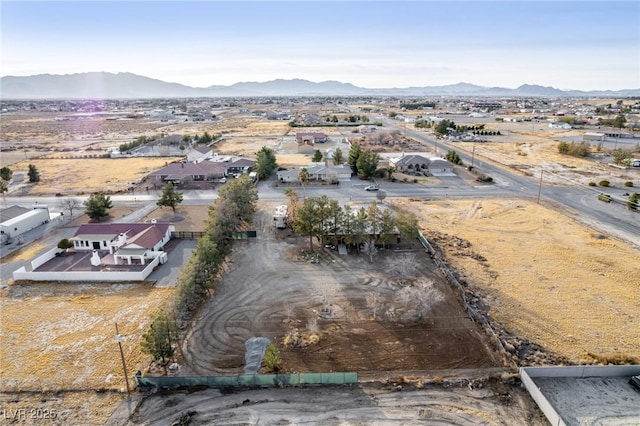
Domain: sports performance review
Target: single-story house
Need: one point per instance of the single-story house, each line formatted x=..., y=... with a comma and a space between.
x=418, y=163
x=306, y=140
x=240, y=166
x=317, y=172
x=184, y=172
x=410, y=163
x=125, y=241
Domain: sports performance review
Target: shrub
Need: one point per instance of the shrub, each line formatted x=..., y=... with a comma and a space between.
x=634, y=200
x=272, y=358
x=592, y=183
x=628, y=184
x=604, y=197
x=604, y=183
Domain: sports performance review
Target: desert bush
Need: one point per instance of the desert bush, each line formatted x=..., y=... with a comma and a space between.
x=604, y=183
x=592, y=183
x=271, y=358
x=604, y=197
x=628, y=184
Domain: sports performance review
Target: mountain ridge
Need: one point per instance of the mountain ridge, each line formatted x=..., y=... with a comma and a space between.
x=105, y=85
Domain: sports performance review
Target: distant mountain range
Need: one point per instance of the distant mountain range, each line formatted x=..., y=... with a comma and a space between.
x=104, y=85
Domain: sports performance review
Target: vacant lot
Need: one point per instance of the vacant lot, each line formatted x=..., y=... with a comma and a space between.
x=544, y=277
x=84, y=176
x=73, y=345
x=271, y=290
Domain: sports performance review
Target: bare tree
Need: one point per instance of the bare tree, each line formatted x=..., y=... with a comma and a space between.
x=420, y=297
x=403, y=265
x=381, y=195
x=370, y=250
x=374, y=301
x=69, y=204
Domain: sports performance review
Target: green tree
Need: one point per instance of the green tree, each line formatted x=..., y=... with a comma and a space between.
x=34, y=174
x=338, y=157
x=367, y=164
x=306, y=222
x=303, y=176
x=159, y=340
x=390, y=171
x=619, y=121
x=271, y=358
x=360, y=226
x=65, y=244
x=6, y=174
x=633, y=201
x=453, y=157
x=407, y=224
x=3, y=187
x=97, y=206
x=170, y=197
x=317, y=156
x=354, y=154
x=442, y=127
x=265, y=162
x=621, y=157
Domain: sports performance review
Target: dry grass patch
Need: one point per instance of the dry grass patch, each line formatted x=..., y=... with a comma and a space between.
x=546, y=277
x=61, y=335
x=72, y=176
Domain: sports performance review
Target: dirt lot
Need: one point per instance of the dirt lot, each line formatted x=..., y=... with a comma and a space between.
x=544, y=277
x=452, y=403
x=271, y=289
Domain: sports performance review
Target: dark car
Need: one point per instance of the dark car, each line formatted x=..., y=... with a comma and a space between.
x=635, y=382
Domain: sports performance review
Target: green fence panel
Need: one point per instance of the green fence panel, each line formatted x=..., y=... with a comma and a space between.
x=251, y=380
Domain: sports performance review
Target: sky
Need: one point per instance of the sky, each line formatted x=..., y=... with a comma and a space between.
x=582, y=45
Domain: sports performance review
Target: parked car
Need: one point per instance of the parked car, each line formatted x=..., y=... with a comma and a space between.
x=371, y=188
x=635, y=382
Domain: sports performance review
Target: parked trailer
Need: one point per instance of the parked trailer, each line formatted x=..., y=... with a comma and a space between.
x=280, y=217
x=25, y=222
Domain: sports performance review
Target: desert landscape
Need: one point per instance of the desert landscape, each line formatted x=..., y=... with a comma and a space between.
x=511, y=254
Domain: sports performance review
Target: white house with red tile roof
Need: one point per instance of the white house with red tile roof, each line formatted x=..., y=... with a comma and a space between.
x=125, y=241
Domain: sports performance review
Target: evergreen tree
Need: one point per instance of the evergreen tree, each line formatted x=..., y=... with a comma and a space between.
x=265, y=162
x=170, y=197
x=354, y=154
x=34, y=174
x=97, y=206
x=337, y=157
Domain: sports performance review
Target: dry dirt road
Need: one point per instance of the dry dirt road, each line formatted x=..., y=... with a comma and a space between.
x=458, y=404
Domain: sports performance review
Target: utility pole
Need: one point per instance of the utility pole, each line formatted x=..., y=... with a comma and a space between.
x=473, y=153
x=540, y=186
x=124, y=364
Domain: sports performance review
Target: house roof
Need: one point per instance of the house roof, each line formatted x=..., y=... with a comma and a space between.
x=141, y=234
x=146, y=238
x=242, y=162
x=411, y=159
x=204, y=149
x=177, y=170
x=12, y=212
x=315, y=135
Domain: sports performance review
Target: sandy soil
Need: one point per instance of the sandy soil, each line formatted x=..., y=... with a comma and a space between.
x=273, y=289
x=545, y=277
x=84, y=176
x=75, y=348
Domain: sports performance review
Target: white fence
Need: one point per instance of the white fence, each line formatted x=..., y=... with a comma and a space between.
x=103, y=275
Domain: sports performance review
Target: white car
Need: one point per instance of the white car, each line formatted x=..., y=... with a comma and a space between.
x=371, y=188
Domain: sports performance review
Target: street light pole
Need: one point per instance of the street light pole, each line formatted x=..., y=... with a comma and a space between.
x=124, y=364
